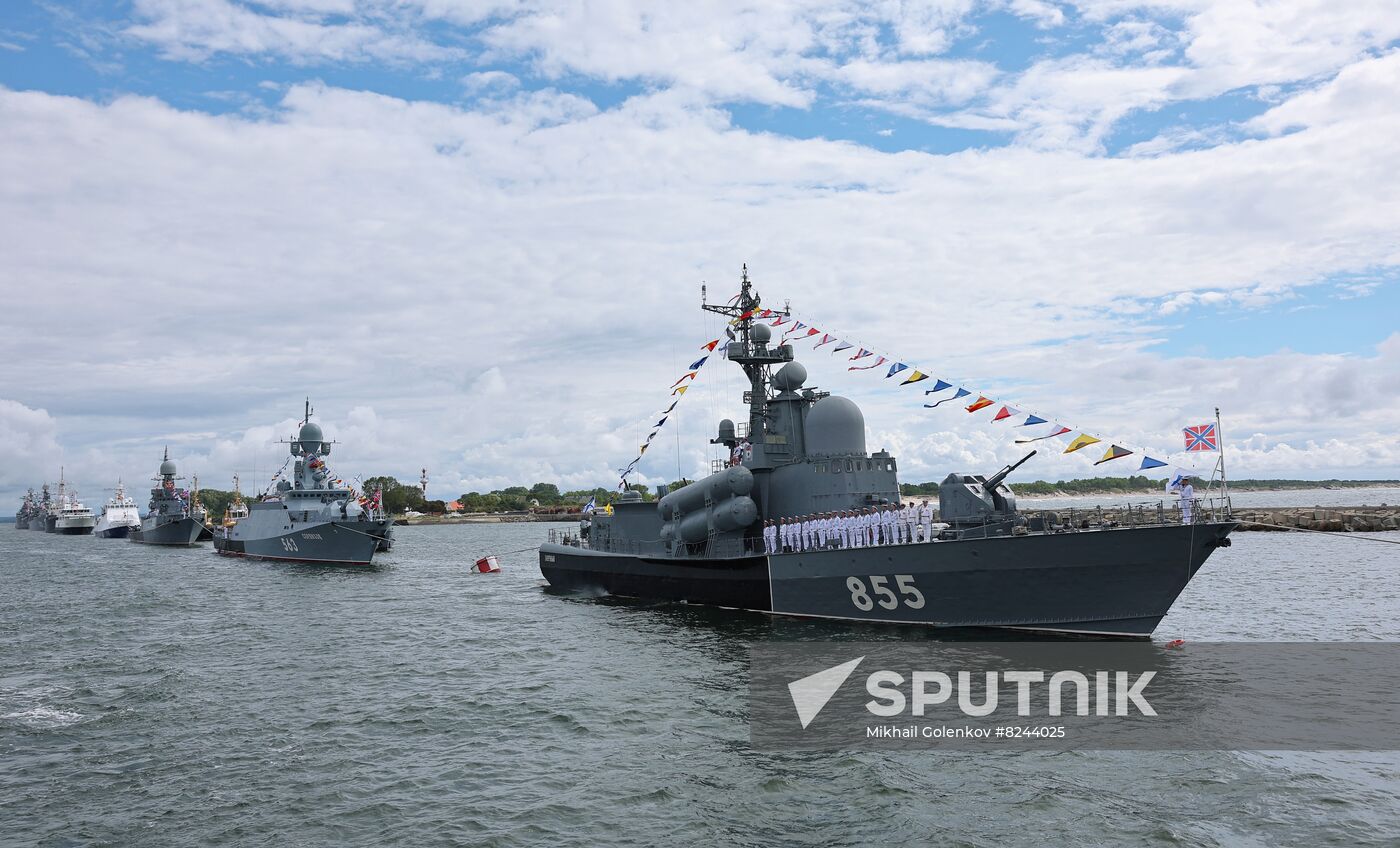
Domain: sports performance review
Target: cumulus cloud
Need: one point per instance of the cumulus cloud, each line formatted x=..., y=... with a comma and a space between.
x=29, y=450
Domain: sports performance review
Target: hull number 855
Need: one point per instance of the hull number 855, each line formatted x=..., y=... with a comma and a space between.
x=880, y=592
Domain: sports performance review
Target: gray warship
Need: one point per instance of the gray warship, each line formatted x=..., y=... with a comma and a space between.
x=168, y=520
x=310, y=517
x=28, y=509
x=40, y=519
x=986, y=564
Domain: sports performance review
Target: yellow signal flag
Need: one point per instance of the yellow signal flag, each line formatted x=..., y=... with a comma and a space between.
x=1083, y=440
x=915, y=377
x=1114, y=452
x=981, y=403
x=680, y=391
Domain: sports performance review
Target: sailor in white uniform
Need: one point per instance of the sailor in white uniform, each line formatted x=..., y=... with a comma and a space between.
x=1187, y=493
x=909, y=517
x=926, y=519
x=770, y=537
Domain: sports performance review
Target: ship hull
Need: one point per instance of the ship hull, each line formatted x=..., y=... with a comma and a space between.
x=333, y=543
x=181, y=533
x=50, y=523
x=21, y=524
x=74, y=528
x=119, y=531
x=1110, y=583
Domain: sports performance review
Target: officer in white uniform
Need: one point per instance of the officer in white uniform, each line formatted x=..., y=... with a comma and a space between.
x=926, y=519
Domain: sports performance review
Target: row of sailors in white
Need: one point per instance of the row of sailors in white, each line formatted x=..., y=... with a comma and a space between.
x=851, y=528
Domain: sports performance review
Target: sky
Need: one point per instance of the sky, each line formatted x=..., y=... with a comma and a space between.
x=474, y=232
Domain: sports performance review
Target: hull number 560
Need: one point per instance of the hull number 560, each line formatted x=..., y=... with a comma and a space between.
x=885, y=596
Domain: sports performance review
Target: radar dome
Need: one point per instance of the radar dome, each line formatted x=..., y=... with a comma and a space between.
x=310, y=432
x=168, y=467
x=790, y=377
x=760, y=334
x=835, y=426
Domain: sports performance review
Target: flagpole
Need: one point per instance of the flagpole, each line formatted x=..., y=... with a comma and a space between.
x=1219, y=434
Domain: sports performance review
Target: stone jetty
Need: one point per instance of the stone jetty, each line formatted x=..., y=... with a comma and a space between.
x=1337, y=519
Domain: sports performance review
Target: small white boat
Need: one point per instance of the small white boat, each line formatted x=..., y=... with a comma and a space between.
x=118, y=517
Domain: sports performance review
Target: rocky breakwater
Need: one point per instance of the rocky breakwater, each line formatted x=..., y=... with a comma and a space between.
x=1341, y=519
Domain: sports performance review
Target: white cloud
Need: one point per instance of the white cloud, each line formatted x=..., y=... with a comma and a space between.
x=1356, y=94
x=29, y=449
x=194, y=30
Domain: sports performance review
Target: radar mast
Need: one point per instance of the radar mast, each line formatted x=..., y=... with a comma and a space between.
x=754, y=358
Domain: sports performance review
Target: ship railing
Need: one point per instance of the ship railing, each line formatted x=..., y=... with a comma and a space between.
x=1161, y=514
x=709, y=549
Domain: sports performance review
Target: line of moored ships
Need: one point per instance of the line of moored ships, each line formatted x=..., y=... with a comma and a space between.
x=307, y=516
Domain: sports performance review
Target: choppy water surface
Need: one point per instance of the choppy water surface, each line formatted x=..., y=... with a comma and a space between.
x=172, y=697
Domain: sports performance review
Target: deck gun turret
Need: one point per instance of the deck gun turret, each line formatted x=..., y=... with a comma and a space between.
x=976, y=505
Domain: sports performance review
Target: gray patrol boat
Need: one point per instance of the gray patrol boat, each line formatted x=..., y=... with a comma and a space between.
x=310, y=517
x=168, y=520
x=985, y=564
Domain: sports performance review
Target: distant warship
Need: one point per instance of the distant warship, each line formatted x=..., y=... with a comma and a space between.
x=310, y=517
x=168, y=520
x=984, y=565
x=119, y=516
x=40, y=519
x=27, y=511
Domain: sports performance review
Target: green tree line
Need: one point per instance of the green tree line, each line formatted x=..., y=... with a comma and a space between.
x=402, y=497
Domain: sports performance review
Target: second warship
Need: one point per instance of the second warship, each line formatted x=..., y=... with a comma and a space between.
x=803, y=458
x=310, y=517
x=167, y=520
